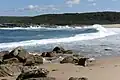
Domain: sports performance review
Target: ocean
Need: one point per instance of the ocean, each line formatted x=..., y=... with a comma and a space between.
x=94, y=40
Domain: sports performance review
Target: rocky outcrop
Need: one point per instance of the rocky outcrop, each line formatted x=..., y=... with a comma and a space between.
x=37, y=73
x=76, y=78
x=10, y=61
x=68, y=52
x=2, y=53
x=62, y=50
x=69, y=59
x=49, y=54
x=42, y=78
x=19, y=53
x=33, y=60
x=59, y=49
x=9, y=70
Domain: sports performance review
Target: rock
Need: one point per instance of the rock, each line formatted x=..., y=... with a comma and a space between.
x=33, y=60
x=7, y=56
x=41, y=78
x=33, y=74
x=68, y=52
x=59, y=49
x=108, y=49
x=19, y=53
x=10, y=61
x=44, y=54
x=51, y=54
x=75, y=78
x=83, y=61
x=69, y=59
x=2, y=53
x=9, y=70
x=78, y=55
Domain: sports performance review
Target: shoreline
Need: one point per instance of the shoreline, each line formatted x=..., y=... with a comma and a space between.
x=99, y=69
x=54, y=26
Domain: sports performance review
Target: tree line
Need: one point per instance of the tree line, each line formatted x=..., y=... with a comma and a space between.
x=65, y=19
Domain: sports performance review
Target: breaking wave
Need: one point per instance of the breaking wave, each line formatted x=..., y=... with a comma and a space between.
x=102, y=32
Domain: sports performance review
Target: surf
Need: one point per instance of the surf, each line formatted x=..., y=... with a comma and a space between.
x=102, y=32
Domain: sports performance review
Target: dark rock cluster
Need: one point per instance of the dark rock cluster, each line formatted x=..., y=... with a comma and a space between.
x=20, y=63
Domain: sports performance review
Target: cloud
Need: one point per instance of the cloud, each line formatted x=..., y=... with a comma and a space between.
x=91, y=0
x=35, y=8
x=72, y=2
x=40, y=8
x=114, y=0
x=94, y=4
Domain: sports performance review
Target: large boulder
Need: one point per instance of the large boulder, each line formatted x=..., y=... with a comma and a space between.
x=76, y=78
x=33, y=60
x=41, y=78
x=69, y=59
x=19, y=53
x=33, y=74
x=59, y=49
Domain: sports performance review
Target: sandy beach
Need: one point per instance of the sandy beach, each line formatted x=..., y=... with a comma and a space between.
x=111, y=25
x=102, y=69
x=105, y=68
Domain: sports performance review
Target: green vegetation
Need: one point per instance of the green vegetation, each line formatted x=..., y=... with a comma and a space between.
x=66, y=19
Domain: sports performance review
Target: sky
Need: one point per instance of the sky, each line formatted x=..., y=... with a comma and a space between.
x=39, y=7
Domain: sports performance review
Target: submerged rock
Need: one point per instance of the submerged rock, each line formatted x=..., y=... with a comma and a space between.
x=33, y=74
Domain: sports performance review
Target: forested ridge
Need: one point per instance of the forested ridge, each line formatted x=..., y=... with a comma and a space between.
x=65, y=19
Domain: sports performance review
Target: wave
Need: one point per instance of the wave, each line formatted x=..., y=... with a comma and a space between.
x=37, y=27
x=50, y=28
x=102, y=32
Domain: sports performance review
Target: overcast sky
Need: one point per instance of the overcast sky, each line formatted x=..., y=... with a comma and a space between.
x=37, y=7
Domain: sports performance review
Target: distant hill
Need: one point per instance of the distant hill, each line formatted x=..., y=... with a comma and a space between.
x=66, y=19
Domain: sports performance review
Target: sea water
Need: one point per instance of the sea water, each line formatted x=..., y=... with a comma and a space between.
x=89, y=40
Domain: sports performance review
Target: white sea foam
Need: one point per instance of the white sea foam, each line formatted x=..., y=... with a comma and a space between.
x=102, y=32
x=37, y=27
